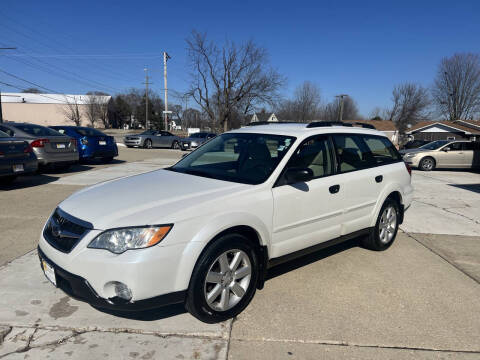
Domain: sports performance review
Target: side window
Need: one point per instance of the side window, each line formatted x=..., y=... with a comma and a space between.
x=468, y=146
x=7, y=130
x=455, y=146
x=352, y=153
x=61, y=131
x=316, y=154
x=166, y=133
x=382, y=150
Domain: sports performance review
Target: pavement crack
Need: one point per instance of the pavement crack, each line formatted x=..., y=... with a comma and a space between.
x=4, y=332
x=448, y=210
x=230, y=336
x=442, y=257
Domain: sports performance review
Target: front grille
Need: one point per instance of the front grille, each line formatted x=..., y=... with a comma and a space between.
x=63, y=233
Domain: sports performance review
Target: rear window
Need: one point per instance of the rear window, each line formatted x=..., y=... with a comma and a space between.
x=3, y=135
x=382, y=150
x=89, y=132
x=37, y=130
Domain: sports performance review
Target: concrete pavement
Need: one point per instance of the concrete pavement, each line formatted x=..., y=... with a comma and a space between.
x=418, y=300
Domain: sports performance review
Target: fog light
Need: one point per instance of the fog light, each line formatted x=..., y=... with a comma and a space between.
x=122, y=291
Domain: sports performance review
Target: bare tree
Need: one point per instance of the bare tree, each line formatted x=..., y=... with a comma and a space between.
x=411, y=104
x=304, y=106
x=331, y=111
x=229, y=78
x=71, y=110
x=456, y=89
x=91, y=110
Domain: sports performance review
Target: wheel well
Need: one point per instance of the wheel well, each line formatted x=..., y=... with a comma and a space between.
x=262, y=251
x=428, y=157
x=397, y=197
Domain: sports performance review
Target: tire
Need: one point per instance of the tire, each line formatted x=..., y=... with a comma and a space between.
x=378, y=240
x=175, y=145
x=427, y=164
x=129, y=146
x=229, y=295
x=147, y=144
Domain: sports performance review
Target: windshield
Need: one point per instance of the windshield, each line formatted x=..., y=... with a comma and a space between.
x=37, y=130
x=434, y=145
x=148, y=132
x=238, y=157
x=198, y=135
x=2, y=134
x=89, y=132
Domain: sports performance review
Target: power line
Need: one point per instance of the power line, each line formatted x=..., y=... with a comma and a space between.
x=23, y=89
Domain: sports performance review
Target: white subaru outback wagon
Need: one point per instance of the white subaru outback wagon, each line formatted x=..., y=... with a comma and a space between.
x=204, y=231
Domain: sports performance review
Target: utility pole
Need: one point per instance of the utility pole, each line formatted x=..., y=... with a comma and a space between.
x=165, y=59
x=146, y=98
x=1, y=112
x=340, y=112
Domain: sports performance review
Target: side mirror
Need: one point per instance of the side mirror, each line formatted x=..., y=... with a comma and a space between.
x=446, y=149
x=295, y=175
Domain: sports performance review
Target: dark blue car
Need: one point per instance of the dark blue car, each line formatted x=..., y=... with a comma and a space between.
x=91, y=142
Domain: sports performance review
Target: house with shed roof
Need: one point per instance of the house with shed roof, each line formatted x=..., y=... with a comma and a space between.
x=47, y=109
x=445, y=130
x=386, y=126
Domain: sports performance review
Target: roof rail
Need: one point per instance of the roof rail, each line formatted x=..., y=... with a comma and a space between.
x=327, y=123
x=255, y=123
x=367, y=126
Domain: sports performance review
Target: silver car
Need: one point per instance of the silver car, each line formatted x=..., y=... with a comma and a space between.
x=152, y=138
x=444, y=154
x=195, y=140
x=50, y=147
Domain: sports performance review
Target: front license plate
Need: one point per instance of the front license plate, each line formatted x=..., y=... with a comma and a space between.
x=102, y=143
x=60, y=146
x=49, y=272
x=18, y=168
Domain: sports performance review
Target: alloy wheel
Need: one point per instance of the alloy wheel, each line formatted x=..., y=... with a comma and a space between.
x=388, y=224
x=227, y=280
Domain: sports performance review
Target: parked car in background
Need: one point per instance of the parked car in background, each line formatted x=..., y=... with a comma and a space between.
x=151, y=138
x=444, y=154
x=195, y=140
x=414, y=144
x=16, y=158
x=91, y=143
x=50, y=147
x=204, y=231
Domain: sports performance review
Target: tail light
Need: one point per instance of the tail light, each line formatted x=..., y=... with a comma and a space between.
x=39, y=143
x=28, y=149
x=409, y=169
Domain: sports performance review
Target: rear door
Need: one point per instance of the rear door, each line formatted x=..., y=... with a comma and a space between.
x=166, y=138
x=308, y=213
x=468, y=154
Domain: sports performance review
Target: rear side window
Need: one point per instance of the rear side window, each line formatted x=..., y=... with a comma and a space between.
x=3, y=135
x=382, y=150
x=455, y=146
x=352, y=153
x=315, y=154
x=36, y=130
x=8, y=131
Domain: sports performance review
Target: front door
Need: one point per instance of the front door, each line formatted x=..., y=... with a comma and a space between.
x=453, y=157
x=308, y=213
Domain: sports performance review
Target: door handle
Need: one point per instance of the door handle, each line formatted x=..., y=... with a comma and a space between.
x=379, y=178
x=334, y=189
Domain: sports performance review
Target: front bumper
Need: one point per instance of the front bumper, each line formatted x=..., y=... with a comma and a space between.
x=79, y=288
x=412, y=161
x=133, y=142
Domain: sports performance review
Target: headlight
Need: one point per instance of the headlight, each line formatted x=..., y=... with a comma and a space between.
x=409, y=155
x=121, y=240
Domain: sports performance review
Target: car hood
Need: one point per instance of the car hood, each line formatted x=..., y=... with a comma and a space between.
x=414, y=151
x=160, y=196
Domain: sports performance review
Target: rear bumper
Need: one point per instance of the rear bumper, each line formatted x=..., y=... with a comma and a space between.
x=99, y=152
x=29, y=165
x=79, y=288
x=45, y=158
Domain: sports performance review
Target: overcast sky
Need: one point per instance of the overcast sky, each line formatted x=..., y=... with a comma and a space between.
x=362, y=48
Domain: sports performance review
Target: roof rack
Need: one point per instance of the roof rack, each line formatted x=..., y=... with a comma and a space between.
x=338, y=123
x=327, y=123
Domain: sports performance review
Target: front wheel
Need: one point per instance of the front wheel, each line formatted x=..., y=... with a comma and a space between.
x=386, y=227
x=148, y=144
x=427, y=164
x=224, y=279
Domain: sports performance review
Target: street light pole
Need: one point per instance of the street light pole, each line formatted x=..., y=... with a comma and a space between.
x=165, y=59
x=340, y=113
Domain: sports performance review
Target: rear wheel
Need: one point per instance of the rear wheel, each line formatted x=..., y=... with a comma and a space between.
x=427, y=164
x=224, y=279
x=147, y=144
x=386, y=227
x=175, y=145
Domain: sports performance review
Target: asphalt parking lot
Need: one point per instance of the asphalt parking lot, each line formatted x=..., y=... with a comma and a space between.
x=418, y=300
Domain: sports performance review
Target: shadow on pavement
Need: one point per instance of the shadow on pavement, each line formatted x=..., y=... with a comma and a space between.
x=148, y=315
x=469, y=187
x=26, y=181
